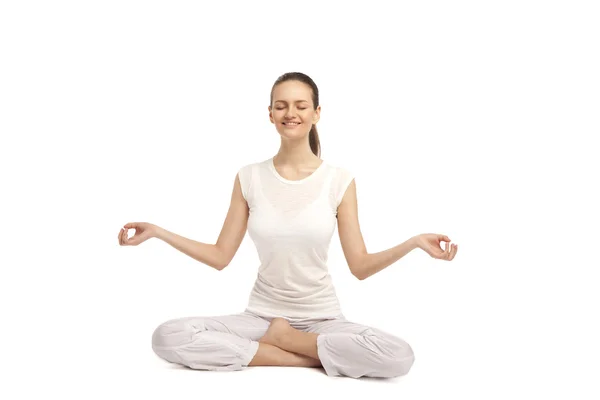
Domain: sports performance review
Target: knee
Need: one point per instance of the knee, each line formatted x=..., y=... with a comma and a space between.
x=395, y=356
x=400, y=359
x=173, y=333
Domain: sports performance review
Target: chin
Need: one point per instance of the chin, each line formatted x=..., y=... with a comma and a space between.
x=295, y=136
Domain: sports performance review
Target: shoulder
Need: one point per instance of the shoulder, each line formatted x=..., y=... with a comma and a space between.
x=342, y=175
x=341, y=180
x=246, y=174
x=247, y=168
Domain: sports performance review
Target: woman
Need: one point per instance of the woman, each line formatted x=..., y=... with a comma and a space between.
x=289, y=204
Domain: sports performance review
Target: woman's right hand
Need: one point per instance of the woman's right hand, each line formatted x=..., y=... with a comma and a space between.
x=143, y=232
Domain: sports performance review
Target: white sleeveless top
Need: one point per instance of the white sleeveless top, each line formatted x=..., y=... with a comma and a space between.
x=291, y=224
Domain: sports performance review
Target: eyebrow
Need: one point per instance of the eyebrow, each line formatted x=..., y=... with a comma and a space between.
x=297, y=101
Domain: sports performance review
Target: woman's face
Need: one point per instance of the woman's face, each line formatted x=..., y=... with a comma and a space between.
x=292, y=109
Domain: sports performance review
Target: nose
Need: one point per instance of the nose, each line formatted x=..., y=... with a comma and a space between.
x=289, y=113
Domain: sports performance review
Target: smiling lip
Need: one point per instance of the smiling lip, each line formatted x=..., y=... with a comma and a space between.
x=291, y=125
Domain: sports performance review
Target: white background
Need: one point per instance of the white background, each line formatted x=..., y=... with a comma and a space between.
x=467, y=118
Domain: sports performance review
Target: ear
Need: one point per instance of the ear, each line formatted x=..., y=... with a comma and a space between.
x=317, y=115
x=271, y=115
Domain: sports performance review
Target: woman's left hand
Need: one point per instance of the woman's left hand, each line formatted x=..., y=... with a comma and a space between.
x=430, y=244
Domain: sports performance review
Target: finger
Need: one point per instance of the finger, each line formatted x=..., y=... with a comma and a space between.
x=451, y=255
x=441, y=253
x=454, y=252
x=448, y=251
x=434, y=252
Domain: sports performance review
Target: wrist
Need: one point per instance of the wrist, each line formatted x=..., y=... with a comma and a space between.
x=157, y=232
x=415, y=242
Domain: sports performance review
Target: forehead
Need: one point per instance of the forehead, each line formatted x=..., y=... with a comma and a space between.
x=292, y=91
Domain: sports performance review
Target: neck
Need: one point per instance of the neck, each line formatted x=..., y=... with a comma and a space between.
x=296, y=156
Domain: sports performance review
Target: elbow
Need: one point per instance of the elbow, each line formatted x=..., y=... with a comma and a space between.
x=221, y=266
x=358, y=274
x=360, y=267
x=221, y=261
x=359, y=270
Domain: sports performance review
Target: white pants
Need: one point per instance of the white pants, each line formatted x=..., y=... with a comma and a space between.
x=230, y=342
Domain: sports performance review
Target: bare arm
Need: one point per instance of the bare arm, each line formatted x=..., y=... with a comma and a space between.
x=361, y=263
x=217, y=255
x=205, y=253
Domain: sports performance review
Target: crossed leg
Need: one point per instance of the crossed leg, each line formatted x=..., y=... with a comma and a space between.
x=231, y=342
x=343, y=347
x=228, y=342
x=281, y=334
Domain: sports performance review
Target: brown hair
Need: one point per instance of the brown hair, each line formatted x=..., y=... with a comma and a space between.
x=313, y=136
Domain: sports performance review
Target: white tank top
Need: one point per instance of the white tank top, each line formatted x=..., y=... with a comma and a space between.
x=291, y=224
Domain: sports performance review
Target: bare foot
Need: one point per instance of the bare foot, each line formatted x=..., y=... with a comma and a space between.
x=268, y=354
x=276, y=332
